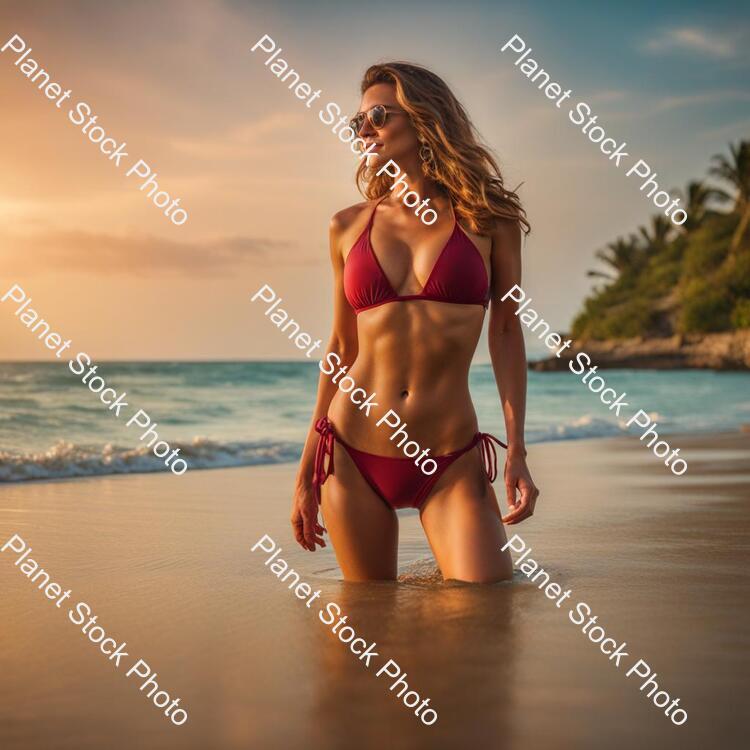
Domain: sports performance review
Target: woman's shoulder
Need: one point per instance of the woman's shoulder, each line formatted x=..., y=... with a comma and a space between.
x=506, y=233
x=351, y=216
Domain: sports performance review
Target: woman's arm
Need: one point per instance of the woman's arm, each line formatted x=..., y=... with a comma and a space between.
x=343, y=341
x=508, y=356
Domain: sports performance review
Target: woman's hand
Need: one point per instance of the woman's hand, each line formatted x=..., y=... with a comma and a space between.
x=307, y=531
x=517, y=477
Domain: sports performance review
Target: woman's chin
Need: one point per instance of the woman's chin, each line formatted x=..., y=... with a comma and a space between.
x=378, y=156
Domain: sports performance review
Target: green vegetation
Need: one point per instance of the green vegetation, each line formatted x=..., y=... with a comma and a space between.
x=692, y=279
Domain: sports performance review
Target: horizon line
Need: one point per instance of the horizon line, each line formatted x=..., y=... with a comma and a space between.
x=178, y=361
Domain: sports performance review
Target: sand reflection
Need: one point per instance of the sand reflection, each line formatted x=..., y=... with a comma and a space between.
x=456, y=644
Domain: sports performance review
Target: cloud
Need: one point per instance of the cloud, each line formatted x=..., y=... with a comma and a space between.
x=696, y=40
x=273, y=132
x=730, y=131
x=139, y=255
x=702, y=98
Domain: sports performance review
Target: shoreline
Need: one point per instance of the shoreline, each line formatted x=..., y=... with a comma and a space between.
x=727, y=351
x=167, y=564
x=626, y=439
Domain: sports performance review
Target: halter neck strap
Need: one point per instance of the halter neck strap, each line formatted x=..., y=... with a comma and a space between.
x=378, y=202
x=374, y=208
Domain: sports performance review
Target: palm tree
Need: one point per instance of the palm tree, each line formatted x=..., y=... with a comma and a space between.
x=698, y=196
x=735, y=171
x=656, y=236
x=621, y=255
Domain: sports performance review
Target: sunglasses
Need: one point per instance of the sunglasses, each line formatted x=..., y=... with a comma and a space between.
x=377, y=116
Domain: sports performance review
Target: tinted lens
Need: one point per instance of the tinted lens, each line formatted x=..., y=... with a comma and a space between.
x=356, y=122
x=377, y=116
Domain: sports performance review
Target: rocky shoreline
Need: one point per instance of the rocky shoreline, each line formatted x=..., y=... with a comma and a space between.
x=714, y=351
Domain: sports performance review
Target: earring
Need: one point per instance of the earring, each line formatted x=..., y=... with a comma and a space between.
x=427, y=157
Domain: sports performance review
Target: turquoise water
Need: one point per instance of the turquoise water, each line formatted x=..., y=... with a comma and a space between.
x=242, y=413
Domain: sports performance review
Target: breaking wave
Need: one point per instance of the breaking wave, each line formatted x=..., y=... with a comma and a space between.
x=66, y=459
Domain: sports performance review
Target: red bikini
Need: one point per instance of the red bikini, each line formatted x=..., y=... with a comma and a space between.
x=397, y=481
x=458, y=277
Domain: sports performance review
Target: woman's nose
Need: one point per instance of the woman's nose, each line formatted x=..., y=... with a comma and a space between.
x=366, y=129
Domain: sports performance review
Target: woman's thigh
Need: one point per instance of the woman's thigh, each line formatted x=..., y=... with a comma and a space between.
x=361, y=527
x=461, y=518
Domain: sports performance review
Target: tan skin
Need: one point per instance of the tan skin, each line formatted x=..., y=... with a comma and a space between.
x=415, y=355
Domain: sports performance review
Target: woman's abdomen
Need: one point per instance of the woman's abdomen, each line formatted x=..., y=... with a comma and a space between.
x=413, y=363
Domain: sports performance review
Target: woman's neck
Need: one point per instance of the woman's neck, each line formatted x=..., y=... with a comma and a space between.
x=423, y=186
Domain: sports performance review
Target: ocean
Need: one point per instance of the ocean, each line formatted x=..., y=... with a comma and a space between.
x=246, y=413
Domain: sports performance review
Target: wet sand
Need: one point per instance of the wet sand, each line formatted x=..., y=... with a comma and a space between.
x=166, y=565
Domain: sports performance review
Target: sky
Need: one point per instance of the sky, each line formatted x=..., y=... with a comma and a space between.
x=260, y=175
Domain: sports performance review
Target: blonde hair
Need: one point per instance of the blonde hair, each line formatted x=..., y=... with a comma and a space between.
x=461, y=165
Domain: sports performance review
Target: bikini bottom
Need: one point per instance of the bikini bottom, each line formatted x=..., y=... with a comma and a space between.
x=398, y=482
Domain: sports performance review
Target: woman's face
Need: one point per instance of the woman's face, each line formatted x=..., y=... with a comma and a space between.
x=397, y=139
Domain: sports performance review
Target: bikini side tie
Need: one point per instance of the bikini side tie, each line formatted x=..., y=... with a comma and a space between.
x=489, y=454
x=324, y=448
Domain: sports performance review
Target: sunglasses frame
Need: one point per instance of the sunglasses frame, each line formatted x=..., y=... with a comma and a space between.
x=358, y=120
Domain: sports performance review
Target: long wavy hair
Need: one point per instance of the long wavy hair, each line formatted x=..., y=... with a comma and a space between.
x=461, y=165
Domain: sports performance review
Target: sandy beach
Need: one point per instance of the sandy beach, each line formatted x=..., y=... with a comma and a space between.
x=166, y=565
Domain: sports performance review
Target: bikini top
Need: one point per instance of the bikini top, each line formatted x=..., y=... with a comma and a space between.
x=458, y=276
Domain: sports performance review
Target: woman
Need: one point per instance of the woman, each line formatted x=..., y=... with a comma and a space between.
x=409, y=302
